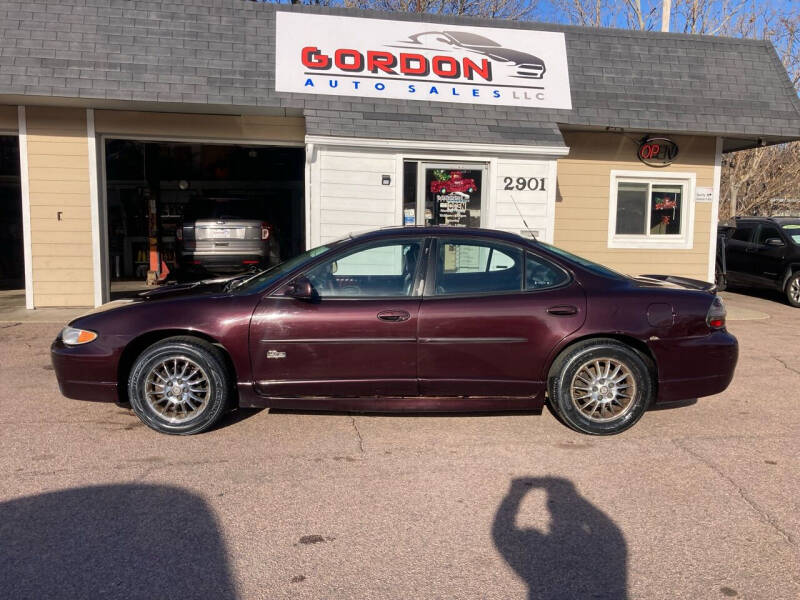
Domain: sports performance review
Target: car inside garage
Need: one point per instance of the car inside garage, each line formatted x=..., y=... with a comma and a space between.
x=180, y=211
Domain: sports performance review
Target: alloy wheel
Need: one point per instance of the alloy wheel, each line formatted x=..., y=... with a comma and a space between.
x=603, y=389
x=177, y=389
x=794, y=290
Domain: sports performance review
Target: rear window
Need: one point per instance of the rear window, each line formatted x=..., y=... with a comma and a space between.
x=594, y=267
x=222, y=208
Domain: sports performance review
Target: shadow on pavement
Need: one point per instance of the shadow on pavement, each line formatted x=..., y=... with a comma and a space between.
x=762, y=293
x=583, y=556
x=673, y=404
x=113, y=541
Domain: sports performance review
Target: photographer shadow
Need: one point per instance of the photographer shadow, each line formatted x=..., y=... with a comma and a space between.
x=583, y=555
x=113, y=541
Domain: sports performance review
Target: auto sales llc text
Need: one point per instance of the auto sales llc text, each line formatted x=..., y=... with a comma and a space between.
x=418, y=89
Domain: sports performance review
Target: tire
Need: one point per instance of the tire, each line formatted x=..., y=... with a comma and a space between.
x=793, y=289
x=205, y=385
x=606, y=410
x=721, y=280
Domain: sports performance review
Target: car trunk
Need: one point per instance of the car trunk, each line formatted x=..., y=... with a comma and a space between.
x=234, y=235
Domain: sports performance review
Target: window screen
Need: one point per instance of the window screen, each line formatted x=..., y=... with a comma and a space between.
x=631, y=208
x=649, y=209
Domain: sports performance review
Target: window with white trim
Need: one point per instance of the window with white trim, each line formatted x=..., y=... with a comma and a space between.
x=651, y=212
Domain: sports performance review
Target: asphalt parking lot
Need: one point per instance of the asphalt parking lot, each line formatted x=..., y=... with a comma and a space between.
x=696, y=501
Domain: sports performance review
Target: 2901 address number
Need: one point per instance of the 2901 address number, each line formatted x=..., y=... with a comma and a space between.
x=533, y=184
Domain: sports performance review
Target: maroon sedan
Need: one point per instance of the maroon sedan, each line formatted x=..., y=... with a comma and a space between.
x=407, y=319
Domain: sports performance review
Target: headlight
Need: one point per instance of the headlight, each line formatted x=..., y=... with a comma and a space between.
x=74, y=337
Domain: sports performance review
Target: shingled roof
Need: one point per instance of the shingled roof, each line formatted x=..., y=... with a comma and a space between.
x=218, y=56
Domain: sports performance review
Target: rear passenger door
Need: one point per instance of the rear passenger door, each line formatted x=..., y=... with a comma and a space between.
x=491, y=314
x=738, y=253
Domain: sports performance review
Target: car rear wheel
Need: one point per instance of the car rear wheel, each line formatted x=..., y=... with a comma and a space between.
x=600, y=387
x=180, y=385
x=793, y=290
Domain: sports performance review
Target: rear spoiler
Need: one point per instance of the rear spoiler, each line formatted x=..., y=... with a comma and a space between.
x=692, y=284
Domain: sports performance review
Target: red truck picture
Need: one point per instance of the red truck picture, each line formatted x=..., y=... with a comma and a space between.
x=454, y=182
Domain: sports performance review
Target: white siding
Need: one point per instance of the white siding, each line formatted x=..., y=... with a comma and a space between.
x=349, y=196
x=537, y=207
x=346, y=195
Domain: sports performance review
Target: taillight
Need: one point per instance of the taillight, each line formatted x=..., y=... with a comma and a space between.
x=179, y=233
x=716, y=314
x=264, y=231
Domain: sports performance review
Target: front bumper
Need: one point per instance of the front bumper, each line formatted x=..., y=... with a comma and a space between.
x=84, y=372
x=694, y=367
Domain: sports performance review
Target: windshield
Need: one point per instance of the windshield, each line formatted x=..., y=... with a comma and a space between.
x=793, y=231
x=595, y=268
x=263, y=279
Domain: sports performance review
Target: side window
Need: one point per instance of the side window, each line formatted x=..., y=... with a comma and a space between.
x=743, y=234
x=378, y=269
x=541, y=274
x=475, y=267
x=766, y=232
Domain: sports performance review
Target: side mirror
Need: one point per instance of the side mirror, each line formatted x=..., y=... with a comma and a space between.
x=775, y=242
x=300, y=289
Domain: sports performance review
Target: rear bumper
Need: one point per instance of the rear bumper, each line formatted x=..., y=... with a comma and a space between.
x=226, y=260
x=695, y=367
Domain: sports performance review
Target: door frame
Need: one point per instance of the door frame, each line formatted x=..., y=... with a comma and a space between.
x=423, y=165
x=488, y=162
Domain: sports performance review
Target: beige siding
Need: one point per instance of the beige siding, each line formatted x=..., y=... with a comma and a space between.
x=582, y=207
x=58, y=173
x=8, y=119
x=288, y=130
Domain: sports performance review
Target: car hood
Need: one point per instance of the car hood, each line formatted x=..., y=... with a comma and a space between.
x=167, y=292
x=184, y=289
x=674, y=282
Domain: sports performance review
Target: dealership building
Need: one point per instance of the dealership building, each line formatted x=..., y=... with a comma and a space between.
x=118, y=117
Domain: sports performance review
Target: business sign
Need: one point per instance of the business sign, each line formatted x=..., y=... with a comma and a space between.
x=377, y=58
x=657, y=152
x=703, y=194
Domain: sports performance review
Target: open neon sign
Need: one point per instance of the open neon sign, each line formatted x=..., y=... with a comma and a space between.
x=657, y=152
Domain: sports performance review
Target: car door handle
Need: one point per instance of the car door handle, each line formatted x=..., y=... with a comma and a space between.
x=394, y=315
x=563, y=310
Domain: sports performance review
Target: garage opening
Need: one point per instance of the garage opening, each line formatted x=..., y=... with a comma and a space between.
x=187, y=211
x=12, y=266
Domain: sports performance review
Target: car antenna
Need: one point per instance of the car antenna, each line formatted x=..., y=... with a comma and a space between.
x=528, y=229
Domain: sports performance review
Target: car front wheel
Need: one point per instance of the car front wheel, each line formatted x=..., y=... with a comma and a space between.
x=793, y=290
x=179, y=385
x=600, y=387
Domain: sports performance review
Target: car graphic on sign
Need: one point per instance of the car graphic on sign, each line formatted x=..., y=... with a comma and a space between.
x=456, y=183
x=528, y=65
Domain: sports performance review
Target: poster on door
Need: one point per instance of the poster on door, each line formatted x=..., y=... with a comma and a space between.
x=454, y=197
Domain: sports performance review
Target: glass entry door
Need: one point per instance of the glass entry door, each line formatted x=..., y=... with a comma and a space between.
x=449, y=194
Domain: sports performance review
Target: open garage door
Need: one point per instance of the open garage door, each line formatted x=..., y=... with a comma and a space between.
x=12, y=265
x=185, y=211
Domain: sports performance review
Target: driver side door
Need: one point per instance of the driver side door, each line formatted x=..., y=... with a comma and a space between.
x=356, y=337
